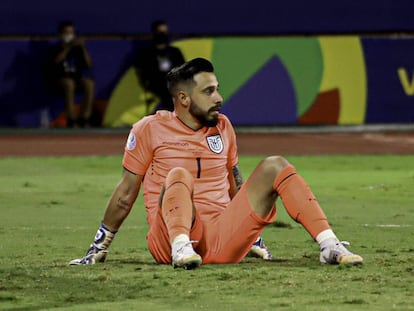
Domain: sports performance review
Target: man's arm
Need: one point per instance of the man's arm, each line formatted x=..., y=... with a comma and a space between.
x=117, y=210
x=62, y=53
x=122, y=200
x=236, y=180
x=86, y=56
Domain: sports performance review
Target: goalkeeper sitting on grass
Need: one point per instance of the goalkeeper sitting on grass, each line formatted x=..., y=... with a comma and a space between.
x=198, y=208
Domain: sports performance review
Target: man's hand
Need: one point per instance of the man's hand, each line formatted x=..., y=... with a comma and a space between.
x=79, y=42
x=260, y=250
x=93, y=255
x=98, y=249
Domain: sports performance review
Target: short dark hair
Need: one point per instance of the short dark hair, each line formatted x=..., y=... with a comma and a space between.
x=155, y=24
x=186, y=72
x=64, y=24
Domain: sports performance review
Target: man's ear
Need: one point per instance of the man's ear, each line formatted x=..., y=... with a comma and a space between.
x=183, y=98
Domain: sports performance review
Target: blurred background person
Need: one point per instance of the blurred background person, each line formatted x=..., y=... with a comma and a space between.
x=69, y=70
x=153, y=63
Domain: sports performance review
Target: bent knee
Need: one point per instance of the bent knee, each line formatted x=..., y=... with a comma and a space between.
x=87, y=83
x=68, y=84
x=179, y=174
x=274, y=164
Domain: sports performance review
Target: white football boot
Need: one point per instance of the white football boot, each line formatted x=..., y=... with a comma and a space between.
x=184, y=256
x=337, y=254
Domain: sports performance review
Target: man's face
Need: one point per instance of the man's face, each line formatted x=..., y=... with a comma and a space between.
x=160, y=35
x=67, y=34
x=162, y=28
x=205, y=99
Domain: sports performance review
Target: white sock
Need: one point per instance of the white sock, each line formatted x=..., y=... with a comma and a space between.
x=326, y=238
x=181, y=238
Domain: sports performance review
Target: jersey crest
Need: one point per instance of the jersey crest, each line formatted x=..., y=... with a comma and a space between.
x=215, y=143
x=131, y=142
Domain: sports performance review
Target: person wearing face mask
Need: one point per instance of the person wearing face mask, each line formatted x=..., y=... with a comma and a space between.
x=69, y=69
x=153, y=62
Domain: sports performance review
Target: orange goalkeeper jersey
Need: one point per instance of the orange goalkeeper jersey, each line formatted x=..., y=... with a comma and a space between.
x=160, y=142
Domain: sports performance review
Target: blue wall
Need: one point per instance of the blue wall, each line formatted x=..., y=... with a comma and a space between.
x=377, y=88
x=22, y=92
x=208, y=17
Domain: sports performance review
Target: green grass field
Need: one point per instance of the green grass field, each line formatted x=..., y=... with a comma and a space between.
x=50, y=209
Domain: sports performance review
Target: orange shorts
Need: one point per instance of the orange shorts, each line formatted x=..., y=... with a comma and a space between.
x=224, y=239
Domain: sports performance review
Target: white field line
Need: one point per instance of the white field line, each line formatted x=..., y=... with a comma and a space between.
x=47, y=228
x=386, y=225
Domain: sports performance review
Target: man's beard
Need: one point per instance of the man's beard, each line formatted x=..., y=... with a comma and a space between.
x=204, y=117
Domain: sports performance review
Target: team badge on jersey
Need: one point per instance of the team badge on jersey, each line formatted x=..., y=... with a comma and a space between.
x=131, y=142
x=215, y=143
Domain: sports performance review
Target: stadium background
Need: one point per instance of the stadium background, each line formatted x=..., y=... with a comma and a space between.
x=314, y=63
